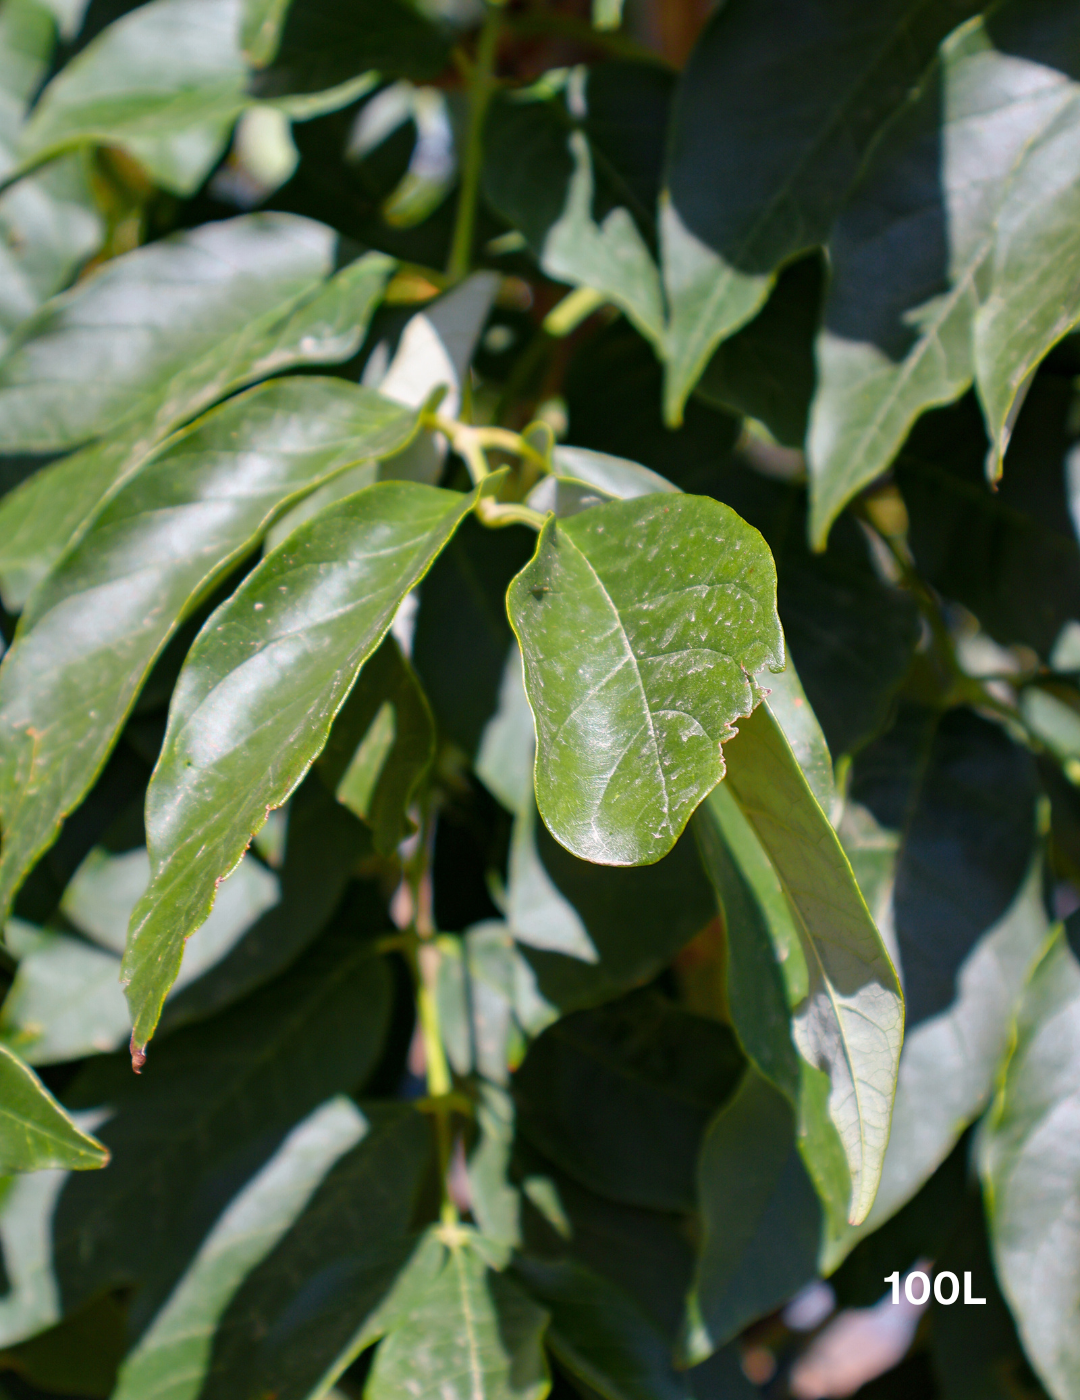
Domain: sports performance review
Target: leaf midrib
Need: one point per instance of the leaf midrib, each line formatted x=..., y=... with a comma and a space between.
x=632, y=658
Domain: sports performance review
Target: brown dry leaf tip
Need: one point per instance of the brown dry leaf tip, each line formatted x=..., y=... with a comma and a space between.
x=138, y=1055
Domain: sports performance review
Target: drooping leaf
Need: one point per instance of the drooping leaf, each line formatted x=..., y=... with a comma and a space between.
x=596, y=1094
x=762, y=1220
x=949, y=1062
x=381, y=745
x=95, y=628
x=635, y=697
x=259, y=323
x=35, y=1132
x=303, y=1313
x=218, y=1100
x=962, y=795
x=467, y=1333
x=915, y=255
x=1031, y=1170
x=849, y=1020
x=774, y=115
x=274, y=664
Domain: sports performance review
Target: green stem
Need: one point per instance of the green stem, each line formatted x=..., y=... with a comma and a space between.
x=481, y=88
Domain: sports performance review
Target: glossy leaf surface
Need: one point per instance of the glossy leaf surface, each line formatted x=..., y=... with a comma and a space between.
x=849, y=1020
x=270, y=325
x=95, y=628
x=279, y=657
x=635, y=679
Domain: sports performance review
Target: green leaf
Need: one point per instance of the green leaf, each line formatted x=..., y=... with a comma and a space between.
x=35, y=1132
x=164, y=82
x=381, y=746
x=646, y=1254
x=173, y=1354
x=1031, y=1170
x=791, y=709
x=949, y=1063
x=478, y=996
x=274, y=664
x=762, y=1221
x=155, y=550
x=325, y=323
x=976, y=1351
x=962, y=797
x=632, y=694
x=469, y=1334
x=597, y=1095
x=237, y=296
x=214, y=1107
x=49, y=221
x=849, y=1020
x=301, y=1315
x=934, y=209
x=774, y=116
x=27, y=38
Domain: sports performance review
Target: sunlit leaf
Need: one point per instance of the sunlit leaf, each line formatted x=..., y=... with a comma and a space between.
x=633, y=700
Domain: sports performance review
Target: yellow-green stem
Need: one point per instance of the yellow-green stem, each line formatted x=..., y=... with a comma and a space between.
x=481, y=87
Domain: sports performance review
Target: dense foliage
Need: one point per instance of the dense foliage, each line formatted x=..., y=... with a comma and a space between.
x=541, y=711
